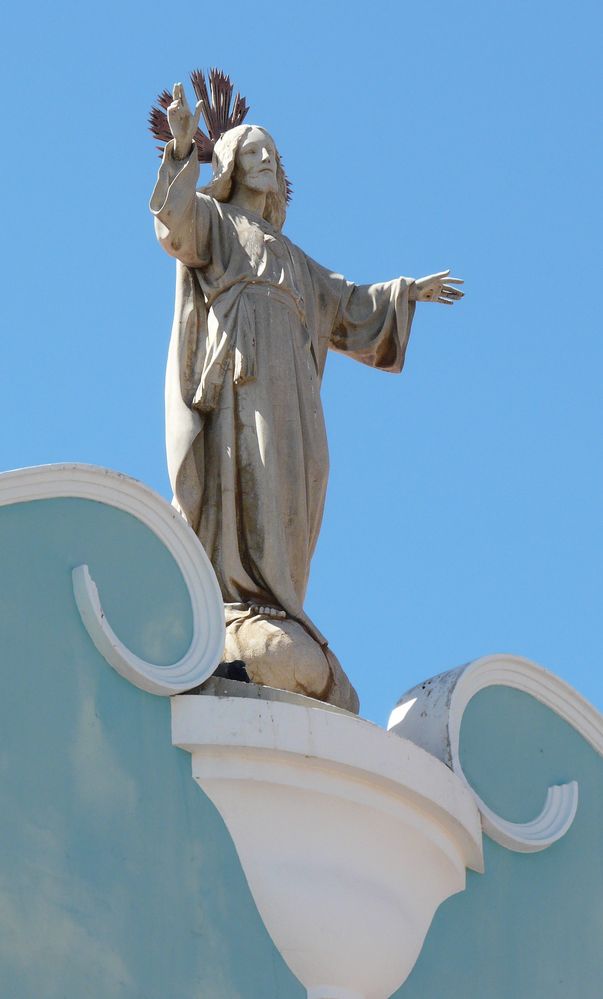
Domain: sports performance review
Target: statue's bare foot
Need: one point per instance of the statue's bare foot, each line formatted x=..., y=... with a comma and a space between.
x=267, y=611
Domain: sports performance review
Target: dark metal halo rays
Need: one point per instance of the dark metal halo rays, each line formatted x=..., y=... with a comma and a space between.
x=219, y=111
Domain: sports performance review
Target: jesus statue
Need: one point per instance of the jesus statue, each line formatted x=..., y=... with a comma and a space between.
x=247, y=448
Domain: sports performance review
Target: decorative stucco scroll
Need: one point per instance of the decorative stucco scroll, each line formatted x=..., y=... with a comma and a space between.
x=117, y=490
x=431, y=714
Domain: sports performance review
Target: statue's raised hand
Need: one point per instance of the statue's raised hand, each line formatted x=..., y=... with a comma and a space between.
x=182, y=121
x=436, y=288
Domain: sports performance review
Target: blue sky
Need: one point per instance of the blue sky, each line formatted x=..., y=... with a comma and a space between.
x=464, y=507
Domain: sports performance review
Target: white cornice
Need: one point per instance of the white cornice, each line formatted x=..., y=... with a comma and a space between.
x=118, y=490
x=349, y=837
x=540, y=683
x=431, y=715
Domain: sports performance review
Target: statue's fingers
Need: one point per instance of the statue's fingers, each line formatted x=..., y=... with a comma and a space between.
x=198, y=109
x=455, y=280
x=431, y=279
x=452, y=292
x=177, y=92
x=444, y=301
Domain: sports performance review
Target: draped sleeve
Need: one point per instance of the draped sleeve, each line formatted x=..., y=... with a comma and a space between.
x=373, y=323
x=182, y=214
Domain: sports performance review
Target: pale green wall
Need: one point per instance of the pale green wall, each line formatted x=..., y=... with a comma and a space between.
x=531, y=927
x=118, y=879
x=117, y=876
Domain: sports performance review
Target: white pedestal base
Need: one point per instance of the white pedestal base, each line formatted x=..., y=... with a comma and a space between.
x=350, y=838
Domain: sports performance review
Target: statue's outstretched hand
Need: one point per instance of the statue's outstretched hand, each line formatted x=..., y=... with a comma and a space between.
x=436, y=288
x=182, y=121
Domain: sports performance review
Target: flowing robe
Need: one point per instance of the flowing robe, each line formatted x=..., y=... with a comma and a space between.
x=246, y=442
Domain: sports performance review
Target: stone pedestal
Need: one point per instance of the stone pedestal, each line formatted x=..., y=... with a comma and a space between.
x=350, y=837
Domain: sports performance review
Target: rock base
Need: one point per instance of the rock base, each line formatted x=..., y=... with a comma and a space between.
x=281, y=653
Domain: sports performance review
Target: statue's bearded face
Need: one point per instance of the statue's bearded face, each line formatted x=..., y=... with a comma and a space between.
x=255, y=163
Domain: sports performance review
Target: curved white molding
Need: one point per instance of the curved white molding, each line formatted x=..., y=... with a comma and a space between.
x=555, y=819
x=431, y=715
x=115, y=489
x=349, y=838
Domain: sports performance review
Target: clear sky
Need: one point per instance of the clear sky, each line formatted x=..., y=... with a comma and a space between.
x=464, y=507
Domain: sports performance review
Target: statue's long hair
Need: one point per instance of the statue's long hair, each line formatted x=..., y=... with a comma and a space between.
x=223, y=164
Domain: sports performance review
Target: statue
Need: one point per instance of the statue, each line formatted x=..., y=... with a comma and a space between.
x=254, y=319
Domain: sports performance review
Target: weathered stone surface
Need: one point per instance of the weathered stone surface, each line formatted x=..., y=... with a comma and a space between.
x=247, y=448
x=342, y=693
x=281, y=653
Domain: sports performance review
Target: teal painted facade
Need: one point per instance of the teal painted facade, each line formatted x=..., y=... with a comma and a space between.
x=532, y=925
x=118, y=877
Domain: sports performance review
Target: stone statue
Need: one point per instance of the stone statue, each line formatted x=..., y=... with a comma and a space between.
x=247, y=449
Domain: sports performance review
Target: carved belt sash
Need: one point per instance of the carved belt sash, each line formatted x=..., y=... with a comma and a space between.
x=237, y=339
